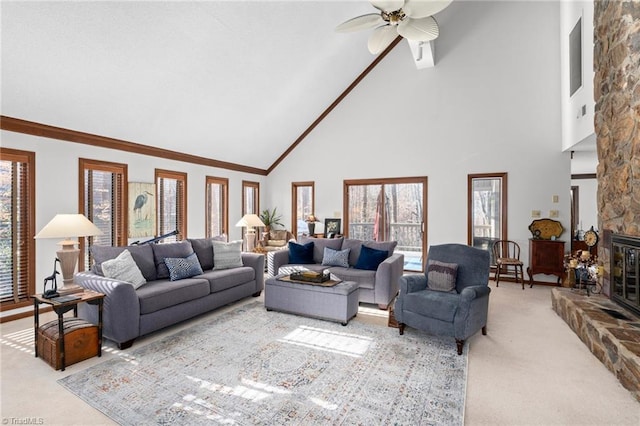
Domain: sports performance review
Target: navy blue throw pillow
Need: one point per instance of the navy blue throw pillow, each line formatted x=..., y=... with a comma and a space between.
x=301, y=254
x=370, y=258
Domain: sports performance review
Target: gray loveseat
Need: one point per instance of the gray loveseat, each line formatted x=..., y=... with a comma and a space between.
x=377, y=286
x=160, y=302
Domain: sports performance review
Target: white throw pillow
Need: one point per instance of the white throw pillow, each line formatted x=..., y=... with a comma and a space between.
x=123, y=268
x=227, y=255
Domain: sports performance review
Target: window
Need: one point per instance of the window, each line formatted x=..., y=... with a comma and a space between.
x=302, y=197
x=171, y=188
x=487, y=203
x=389, y=210
x=102, y=199
x=17, y=227
x=250, y=197
x=217, y=214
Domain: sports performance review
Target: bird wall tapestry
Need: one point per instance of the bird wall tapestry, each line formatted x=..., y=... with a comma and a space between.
x=142, y=209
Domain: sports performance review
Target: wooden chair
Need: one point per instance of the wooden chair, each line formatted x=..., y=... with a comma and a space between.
x=507, y=255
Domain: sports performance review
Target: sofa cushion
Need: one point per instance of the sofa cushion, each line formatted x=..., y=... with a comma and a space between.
x=276, y=243
x=143, y=256
x=183, y=267
x=370, y=258
x=227, y=278
x=161, y=294
x=364, y=278
x=319, y=244
x=124, y=268
x=336, y=257
x=163, y=250
x=227, y=255
x=301, y=254
x=204, y=250
x=441, y=276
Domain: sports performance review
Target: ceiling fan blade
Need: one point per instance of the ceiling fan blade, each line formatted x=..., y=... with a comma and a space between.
x=363, y=22
x=387, y=5
x=423, y=8
x=381, y=38
x=425, y=29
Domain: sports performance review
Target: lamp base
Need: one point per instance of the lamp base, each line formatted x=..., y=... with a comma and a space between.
x=251, y=240
x=68, y=258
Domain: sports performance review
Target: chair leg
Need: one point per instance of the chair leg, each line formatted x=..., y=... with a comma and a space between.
x=521, y=275
x=459, y=344
x=401, y=328
x=497, y=276
x=484, y=330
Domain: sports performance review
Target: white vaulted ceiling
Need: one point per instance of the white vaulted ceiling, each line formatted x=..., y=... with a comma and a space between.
x=235, y=81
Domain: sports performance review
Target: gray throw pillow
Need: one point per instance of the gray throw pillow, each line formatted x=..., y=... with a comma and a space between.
x=123, y=268
x=204, y=250
x=441, y=276
x=142, y=255
x=336, y=257
x=227, y=255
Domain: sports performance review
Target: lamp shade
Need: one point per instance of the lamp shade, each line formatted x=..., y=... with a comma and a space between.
x=249, y=221
x=69, y=226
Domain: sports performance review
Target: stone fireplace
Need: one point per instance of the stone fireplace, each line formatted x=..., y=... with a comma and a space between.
x=612, y=330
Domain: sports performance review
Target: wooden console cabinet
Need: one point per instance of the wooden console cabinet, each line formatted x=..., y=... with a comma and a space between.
x=545, y=257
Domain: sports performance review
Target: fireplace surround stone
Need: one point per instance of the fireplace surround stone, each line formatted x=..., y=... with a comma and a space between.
x=614, y=341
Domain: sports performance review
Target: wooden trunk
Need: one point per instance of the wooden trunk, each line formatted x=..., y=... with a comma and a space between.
x=80, y=342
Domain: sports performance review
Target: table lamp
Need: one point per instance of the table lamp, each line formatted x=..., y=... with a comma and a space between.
x=250, y=221
x=69, y=227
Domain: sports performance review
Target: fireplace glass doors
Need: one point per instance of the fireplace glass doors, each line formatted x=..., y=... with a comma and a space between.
x=624, y=272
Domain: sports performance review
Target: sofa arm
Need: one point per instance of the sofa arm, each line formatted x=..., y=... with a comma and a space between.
x=388, y=279
x=278, y=258
x=474, y=292
x=255, y=261
x=121, y=307
x=412, y=283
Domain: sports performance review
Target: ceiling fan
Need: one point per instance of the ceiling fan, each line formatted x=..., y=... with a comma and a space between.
x=412, y=19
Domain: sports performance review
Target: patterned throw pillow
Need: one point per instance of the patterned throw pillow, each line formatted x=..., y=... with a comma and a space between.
x=123, y=268
x=336, y=257
x=441, y=276
x=370, y=258
x=227, y=255
x=183, y=267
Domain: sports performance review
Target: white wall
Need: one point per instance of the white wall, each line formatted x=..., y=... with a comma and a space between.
x=491, y=104
x=57, y=186
x=576, y=126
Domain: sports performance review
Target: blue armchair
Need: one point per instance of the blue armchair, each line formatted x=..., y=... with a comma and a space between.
x=460, y=312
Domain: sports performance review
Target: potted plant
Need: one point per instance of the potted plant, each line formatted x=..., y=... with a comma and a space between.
x=270, y=218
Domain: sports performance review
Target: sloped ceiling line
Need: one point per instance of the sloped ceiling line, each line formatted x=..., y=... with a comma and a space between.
x=18, y=125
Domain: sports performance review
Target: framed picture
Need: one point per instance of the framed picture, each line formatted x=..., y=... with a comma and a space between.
x=142, y=209
x=331, y=227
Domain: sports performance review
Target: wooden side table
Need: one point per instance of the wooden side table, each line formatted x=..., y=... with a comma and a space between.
x=60, y=308
x=546, y=257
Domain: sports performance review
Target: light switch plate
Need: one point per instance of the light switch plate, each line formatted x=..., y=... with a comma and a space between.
x=535, y=213
x=554, y=213
x=555, y=198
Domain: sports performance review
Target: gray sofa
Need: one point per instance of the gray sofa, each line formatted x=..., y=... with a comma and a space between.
x=129, y=312
x=378, y=286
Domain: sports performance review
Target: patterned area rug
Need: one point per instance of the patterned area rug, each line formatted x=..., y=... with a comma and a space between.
x=250, y=366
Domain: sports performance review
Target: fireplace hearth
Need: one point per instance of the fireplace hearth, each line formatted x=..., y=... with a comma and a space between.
x=611, y=332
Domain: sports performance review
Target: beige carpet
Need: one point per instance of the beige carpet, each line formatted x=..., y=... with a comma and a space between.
x=529, y=370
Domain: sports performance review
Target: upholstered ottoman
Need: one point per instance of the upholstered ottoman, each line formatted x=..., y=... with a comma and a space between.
x=336, y=303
